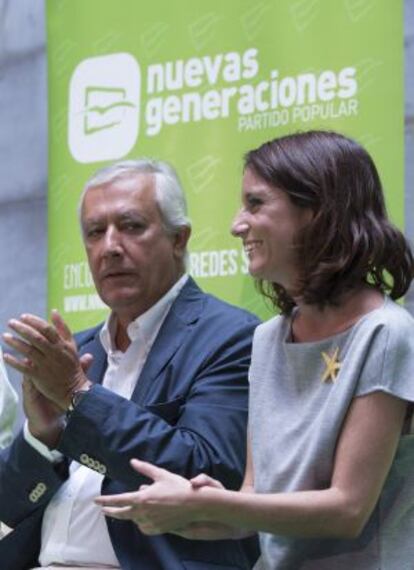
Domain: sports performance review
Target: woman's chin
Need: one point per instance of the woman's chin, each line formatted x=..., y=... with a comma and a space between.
x=258, y=272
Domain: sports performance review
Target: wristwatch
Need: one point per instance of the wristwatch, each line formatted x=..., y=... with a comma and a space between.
x=77, y=396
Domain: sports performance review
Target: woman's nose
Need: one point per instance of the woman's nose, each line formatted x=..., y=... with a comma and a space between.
x=239, y=226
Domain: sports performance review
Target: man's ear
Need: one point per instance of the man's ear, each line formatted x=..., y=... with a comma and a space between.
x=181, y=238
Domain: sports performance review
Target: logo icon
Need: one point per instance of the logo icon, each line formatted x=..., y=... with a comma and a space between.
x=104, y=104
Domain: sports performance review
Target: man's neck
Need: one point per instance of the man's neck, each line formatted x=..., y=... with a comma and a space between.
x=122, y=340
x=124, y=318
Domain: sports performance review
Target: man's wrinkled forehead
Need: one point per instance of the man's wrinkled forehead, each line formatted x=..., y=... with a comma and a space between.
x=127, y=179
x=121, y=198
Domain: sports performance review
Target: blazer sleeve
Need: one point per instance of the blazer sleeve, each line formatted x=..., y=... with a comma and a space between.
x=27, y=481
x=200, y=426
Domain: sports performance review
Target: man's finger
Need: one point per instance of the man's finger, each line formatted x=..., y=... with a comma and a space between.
x=24, y=366
x=29, y=334
x=122, y=500
x=86, y=361
x=149, y=469
x=19, y=345
x=117, y=513
x=61, y=327
x=45, y=328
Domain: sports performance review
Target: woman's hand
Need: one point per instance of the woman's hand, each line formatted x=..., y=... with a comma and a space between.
x=165, y=505
x=170, y=504
x=204, y=480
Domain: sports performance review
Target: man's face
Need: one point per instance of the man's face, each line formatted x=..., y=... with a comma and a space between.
x=133, y=260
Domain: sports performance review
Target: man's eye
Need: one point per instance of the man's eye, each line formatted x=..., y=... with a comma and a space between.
x=133, y=226
x=93, y=233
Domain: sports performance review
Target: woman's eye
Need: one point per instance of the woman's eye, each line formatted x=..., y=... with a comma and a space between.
x=254, y=202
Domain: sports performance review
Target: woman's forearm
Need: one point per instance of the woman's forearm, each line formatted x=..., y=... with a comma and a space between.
x=212, y=531
x=323, y=513
x=364, y=455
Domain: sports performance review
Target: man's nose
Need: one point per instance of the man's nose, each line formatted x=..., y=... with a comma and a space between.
x=112, y=241
x=240, y=226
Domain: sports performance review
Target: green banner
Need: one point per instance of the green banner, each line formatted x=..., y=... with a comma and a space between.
x=198, y=84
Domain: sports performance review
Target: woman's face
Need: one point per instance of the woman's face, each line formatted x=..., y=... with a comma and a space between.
x=268, y=224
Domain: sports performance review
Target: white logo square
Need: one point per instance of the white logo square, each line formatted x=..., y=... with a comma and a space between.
x=104, y=106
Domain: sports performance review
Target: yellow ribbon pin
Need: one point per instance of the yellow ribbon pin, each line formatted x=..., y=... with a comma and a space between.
x=332, y=366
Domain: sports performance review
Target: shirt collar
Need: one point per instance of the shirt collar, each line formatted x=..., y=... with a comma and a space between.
x=145, y=326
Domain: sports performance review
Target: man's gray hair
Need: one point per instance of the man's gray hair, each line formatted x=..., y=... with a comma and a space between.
x=168, y=190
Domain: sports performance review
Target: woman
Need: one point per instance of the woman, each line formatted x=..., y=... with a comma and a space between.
x=328, y=480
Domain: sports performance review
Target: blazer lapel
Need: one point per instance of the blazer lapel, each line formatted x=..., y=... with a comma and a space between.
x=97, y=369
x=185, y=310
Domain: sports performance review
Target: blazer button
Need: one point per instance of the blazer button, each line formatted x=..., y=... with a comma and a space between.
x=37, y=492
x=84, y=458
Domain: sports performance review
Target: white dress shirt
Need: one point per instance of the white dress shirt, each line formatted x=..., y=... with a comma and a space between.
x=74, y=530
x=8, y=400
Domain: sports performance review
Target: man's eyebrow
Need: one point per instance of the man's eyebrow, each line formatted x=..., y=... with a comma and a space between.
x=131, y=214
x=91, y=220
x=125, y=214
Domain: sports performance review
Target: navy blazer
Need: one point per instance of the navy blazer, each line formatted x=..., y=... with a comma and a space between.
x=188, y=414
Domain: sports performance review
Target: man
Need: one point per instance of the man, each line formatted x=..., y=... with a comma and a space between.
x=164, y=379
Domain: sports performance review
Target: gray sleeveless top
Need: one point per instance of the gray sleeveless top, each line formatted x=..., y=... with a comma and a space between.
x=299, y=396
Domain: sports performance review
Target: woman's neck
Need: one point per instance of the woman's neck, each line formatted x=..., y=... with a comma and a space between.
x=310, y=323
